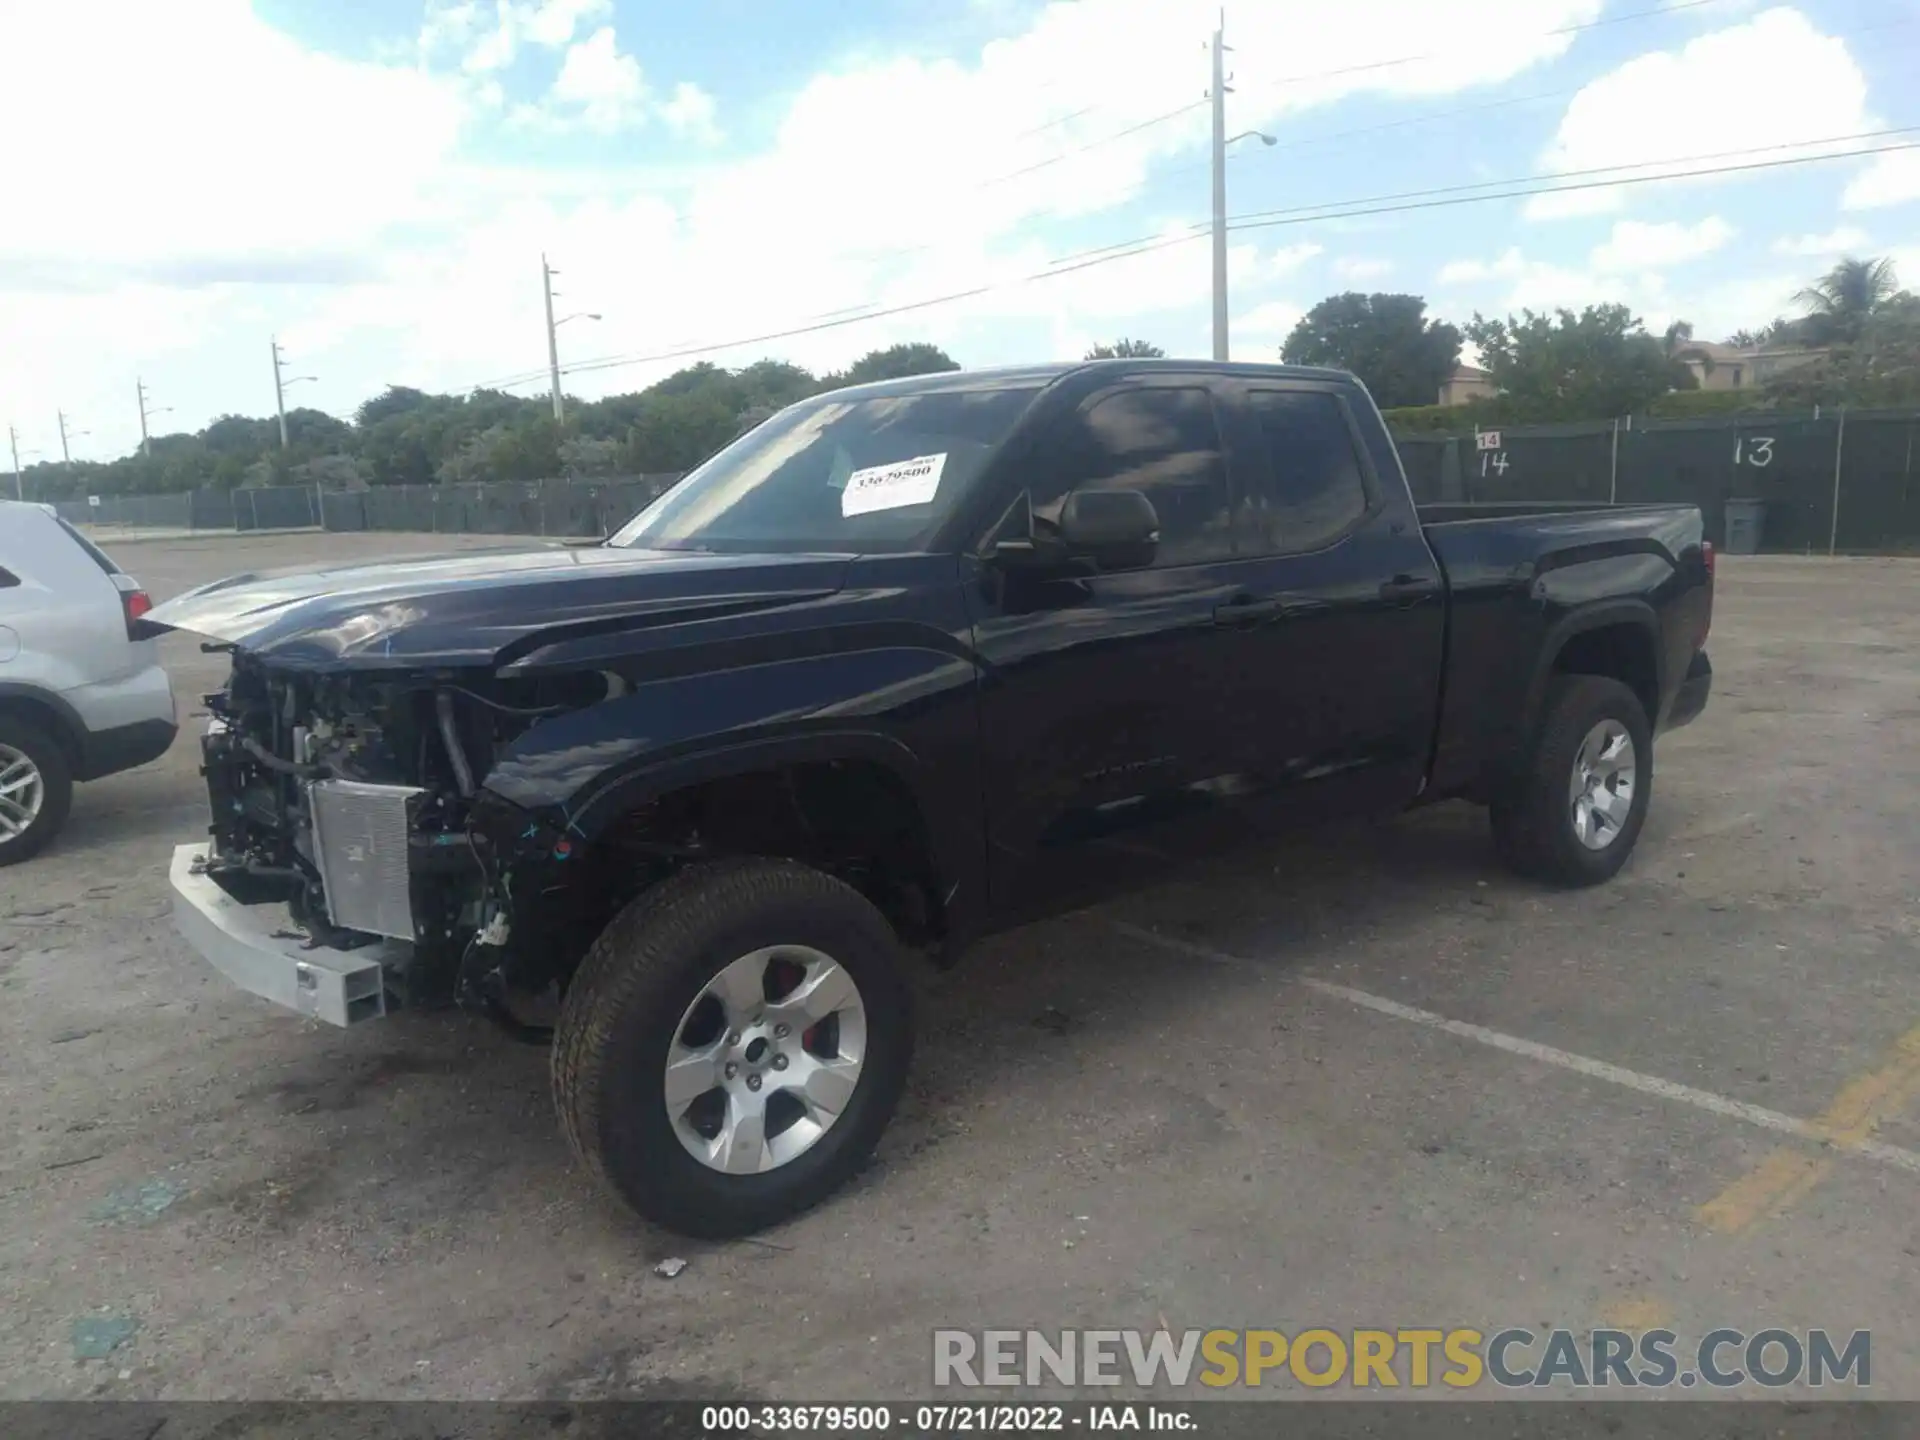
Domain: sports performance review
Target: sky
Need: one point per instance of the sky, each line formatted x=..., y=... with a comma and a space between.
x=375, y=182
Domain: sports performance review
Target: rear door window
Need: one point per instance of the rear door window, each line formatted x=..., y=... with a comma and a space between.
x=1311, y=490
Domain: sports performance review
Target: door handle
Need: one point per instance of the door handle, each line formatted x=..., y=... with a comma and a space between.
x=1256, y=609
x=1408, y=587
x=1249, y=610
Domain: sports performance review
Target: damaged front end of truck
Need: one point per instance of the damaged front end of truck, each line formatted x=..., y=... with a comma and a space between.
x=398, y=765
x=355, y=800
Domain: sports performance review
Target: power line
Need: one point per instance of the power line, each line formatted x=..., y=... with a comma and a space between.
x=1555, y=175
x=1129, y=246
x=1436, y=204
x=1332, y=210
x=1183, y=110
x=1186, y=109
x=1311, y=211
x=1369, y=66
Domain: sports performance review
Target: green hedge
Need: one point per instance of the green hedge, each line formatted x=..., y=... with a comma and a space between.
x=1687, y=404
x=1496, y=412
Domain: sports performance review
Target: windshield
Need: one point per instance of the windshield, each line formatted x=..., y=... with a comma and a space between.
x=855, y=476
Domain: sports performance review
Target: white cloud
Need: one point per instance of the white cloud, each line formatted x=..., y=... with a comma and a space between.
x=364, y=141
x=1289, y=258
x=1460, y=272
x=1637, y=245
x=1835, y=242
x=556, y=22
x=1361, y=268
x=1265, y=326
x=690, y=111
x=456, y=26
x=1774, y=80
x=1887, y=180
x=600, y=85
x=429, y=254
x=1716, y=306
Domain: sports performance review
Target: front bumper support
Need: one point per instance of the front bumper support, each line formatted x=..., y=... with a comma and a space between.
x=251, y=946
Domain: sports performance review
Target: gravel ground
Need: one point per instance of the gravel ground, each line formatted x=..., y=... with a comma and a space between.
x=1304, y=1087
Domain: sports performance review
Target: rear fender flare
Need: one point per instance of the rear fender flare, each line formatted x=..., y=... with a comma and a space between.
x=1599, y=616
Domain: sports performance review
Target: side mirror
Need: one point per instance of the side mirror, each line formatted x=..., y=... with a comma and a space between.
x=1116, y=529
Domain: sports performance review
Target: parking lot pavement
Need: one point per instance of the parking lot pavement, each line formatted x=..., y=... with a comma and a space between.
x=1358, y=1079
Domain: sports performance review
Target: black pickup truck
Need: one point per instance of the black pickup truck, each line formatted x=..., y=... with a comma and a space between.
x=906, y=664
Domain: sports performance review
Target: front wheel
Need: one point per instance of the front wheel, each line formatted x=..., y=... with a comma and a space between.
x=733, y=1045
x=1573, y=813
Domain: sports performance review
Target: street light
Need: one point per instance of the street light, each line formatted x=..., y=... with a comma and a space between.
x=66, y=454
x=547, y=272
x=577, y=315
x=280, y=384
x=1260, y=135
x=146, y=412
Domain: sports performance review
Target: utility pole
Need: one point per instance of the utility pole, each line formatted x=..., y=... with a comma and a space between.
x=279, y=392
x=19, y=485
x=1219, y=97
x=140, y=389
x=65, y=457
x=280, y=389
x=547, y=272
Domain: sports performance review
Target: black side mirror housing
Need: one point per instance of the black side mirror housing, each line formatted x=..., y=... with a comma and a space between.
x=1116, y=529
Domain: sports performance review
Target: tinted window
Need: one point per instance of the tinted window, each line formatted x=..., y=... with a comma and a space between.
x=1165, y=444
x=94, y=552
x=1311, y=492
x=836, y=474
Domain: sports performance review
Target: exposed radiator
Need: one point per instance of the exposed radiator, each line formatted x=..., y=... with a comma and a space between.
x=360, y=847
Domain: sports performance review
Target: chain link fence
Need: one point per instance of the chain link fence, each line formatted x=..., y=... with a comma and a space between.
x=1839, y=481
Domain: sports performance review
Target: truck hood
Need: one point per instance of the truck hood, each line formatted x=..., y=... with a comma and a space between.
x=482, y=607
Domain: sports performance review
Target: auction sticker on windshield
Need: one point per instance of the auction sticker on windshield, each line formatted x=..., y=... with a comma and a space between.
x=888, y=487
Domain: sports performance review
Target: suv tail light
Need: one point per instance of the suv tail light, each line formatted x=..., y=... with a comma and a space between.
x=1706, y=556
x=135, y=604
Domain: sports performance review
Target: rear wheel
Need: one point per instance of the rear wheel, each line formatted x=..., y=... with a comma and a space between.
x=36, y=789
x=733, y=1045
x=1573, y=813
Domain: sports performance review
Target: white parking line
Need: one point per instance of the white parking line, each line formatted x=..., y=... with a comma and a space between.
x=1757, y=1115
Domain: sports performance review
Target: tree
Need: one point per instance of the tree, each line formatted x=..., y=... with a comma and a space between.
x=1564, y=366
x=896, y=362
x=1127, y=350
x=1401, y=356
x=394, y=400
x=674, y=433
x=1840, y=303
x=1881, y=368
x=1774, y=332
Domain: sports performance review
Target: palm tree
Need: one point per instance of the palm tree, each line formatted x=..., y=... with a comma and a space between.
x=1774, y=332
x=1840, y=303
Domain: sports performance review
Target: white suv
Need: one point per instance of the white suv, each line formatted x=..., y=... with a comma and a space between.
x=82, y=693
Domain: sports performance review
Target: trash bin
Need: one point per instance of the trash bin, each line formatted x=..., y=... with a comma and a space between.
x=1745, y=520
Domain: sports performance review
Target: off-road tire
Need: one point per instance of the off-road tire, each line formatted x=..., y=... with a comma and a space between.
x=56, y=778
x=622, y=1008
x=1533, y=829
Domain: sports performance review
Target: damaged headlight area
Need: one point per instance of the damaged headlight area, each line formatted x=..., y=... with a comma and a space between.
x=353, y=798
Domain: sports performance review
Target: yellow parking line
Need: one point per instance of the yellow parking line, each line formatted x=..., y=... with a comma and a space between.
x=1787, y=1174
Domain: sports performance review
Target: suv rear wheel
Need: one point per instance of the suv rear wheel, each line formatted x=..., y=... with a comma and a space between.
x=733, y=1045
x=36, y=789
